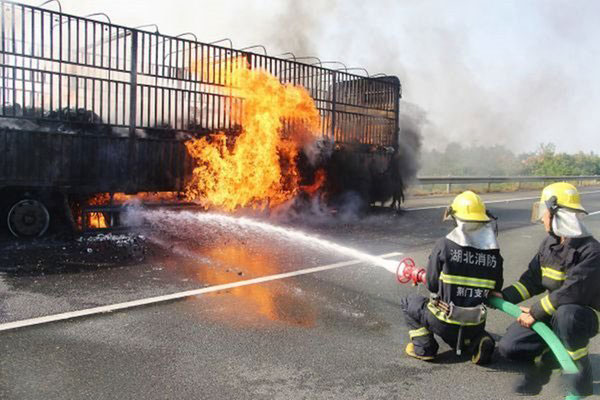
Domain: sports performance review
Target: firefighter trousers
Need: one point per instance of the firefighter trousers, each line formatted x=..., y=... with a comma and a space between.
x=423, y=325
x=574, y=325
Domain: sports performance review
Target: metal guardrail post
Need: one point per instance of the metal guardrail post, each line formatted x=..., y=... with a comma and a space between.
x=333, y=101
x=133, y=108
x=133, y=85
x=397, y=122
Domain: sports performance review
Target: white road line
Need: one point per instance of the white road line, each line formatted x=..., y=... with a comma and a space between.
x=489, y=202
x=424, y=208
x=174, y=296
x=594, y=213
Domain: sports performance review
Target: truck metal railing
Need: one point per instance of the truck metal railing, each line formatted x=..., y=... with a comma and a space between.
x=489, y=180
x=137, y=79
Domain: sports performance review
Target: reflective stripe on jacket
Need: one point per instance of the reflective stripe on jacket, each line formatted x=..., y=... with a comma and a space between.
x=569, y=271
x=462, y=275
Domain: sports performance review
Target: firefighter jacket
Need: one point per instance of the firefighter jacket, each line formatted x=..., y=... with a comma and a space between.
x=569, y=271
x=462, y=276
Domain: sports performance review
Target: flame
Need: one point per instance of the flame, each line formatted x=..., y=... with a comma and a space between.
x=318, y=183
x=218, y=69
x=102, y=199
x=97, y=220
x=258, y=169
x=148, y=197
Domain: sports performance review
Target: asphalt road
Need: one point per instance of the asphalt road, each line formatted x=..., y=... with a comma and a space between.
x=333, y=334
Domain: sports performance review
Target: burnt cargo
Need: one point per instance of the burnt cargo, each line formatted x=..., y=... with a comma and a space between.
x=88, y=106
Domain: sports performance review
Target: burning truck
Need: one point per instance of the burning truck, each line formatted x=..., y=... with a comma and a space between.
x=93, y=114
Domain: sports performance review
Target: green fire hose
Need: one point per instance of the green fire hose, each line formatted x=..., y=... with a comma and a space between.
x=546, y=333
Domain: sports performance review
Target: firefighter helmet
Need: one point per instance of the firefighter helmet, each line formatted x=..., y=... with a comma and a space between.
x=558, y=195
x=468, y=207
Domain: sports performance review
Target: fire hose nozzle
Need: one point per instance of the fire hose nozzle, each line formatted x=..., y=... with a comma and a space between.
x=407, y=271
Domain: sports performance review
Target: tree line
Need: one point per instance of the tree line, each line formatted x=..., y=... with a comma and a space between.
x=457, y=160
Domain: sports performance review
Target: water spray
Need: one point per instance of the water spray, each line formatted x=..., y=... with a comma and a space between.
x=162, y=219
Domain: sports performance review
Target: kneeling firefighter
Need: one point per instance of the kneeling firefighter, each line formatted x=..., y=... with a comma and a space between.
x=567, y=265
x=464, y=267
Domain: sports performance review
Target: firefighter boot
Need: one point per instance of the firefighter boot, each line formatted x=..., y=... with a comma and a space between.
x=534, y=379
x=410, y=350
x=581, y=384
x=482, y=349
x=537, y=375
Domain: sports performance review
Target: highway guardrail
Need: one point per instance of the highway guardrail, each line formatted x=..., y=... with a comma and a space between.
x=489, y=180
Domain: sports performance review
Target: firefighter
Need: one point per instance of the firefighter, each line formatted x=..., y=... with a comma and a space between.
x=567, y=265
x=464, y=267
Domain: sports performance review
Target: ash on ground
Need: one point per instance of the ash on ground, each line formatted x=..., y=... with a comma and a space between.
x=53, y=255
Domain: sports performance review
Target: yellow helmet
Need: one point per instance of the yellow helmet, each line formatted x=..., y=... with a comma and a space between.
x=562, y=194
x=468, y=207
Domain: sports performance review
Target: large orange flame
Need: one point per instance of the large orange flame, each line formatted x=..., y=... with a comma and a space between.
x=258, y=168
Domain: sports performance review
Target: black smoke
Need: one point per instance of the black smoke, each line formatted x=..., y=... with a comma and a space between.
x=359, y=176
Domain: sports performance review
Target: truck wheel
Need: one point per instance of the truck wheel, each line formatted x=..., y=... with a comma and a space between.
x=28, y=218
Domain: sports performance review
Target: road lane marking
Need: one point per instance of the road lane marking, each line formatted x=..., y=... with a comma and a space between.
x=486, y=202
x=175, y=296
x=594, y=213
x=489, y=202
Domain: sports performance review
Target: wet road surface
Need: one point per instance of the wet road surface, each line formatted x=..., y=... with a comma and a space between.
x=336, y=333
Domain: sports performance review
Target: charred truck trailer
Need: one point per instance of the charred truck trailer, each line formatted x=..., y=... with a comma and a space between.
x=91, y=107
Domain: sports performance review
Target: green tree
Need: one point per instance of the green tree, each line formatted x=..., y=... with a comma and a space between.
x=498, y=160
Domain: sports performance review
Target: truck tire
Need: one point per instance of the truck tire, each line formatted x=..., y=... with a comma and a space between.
x=28, y=218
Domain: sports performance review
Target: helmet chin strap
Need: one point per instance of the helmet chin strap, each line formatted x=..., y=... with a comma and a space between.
x=552, y=206
x=449, y=214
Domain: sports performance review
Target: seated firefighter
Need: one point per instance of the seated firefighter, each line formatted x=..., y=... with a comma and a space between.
x=464, y=267
x=567, y=265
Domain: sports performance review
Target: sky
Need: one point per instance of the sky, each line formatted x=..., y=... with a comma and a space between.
x=510, y=72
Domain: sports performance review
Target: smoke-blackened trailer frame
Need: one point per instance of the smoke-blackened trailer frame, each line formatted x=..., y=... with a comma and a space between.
x=95, y=106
